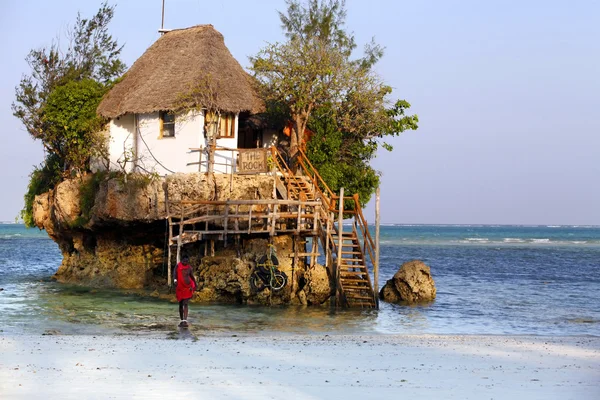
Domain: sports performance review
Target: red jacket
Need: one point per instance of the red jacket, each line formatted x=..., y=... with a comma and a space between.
x=184, y=290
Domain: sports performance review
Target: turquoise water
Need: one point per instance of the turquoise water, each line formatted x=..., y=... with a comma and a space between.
x=539, y=280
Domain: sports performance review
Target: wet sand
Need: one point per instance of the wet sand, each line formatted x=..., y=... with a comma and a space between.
x=299, y=367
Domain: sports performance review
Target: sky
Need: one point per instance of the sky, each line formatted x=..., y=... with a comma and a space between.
x=507, y=93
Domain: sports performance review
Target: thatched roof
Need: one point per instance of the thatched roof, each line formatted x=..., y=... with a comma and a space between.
x=173, y=66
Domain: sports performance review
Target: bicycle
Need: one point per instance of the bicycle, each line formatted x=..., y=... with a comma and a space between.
x=266, y=274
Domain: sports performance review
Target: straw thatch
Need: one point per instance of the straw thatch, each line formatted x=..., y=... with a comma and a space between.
x=173, y=66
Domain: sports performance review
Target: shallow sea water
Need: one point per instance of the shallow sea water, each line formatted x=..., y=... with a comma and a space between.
x=490, y=280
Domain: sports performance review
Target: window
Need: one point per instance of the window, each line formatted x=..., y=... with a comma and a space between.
x=167, y=124
x=227, y=126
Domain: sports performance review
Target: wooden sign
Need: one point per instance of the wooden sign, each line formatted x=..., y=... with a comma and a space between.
x=252, y=161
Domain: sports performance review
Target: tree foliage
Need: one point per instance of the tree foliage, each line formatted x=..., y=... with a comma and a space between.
x=313, y=66
x=72, y=125
x=92, y=53
x=315, y=79
x=57, y=101
x=341, y=159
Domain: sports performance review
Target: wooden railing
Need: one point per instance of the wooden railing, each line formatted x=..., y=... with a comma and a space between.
x=361, y=221
x=229, y=163
x=244, y=216
x=318, y=182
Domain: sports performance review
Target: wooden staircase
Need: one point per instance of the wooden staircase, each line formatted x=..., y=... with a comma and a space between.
x=299, y=188
x=347, y=260
x=353, y=277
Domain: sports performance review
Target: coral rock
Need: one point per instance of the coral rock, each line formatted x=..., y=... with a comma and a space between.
x=411, y=284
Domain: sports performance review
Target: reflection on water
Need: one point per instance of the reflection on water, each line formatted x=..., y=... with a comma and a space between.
x=73, y=309
x=40, y=306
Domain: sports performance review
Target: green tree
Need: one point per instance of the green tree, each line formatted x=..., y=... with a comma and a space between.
x=313, y=77
x=72, y=126
x=57, y=101
x=343, y=156
x=92, y=53
x=313, y=66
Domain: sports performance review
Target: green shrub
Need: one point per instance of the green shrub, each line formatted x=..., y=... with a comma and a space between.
x=42, y=179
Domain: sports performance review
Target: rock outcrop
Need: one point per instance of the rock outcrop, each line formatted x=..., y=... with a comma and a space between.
x=111, y=233
x=411, y=284
x=317, y=289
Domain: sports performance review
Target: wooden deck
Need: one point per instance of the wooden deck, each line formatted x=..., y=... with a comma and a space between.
x=199, y=219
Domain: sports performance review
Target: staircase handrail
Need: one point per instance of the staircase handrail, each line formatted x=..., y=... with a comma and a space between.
x=317, y=180
x=364, y=255
x=364, y=226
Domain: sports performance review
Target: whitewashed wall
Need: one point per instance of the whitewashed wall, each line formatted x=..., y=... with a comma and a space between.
x=167, y=154
x=121, y=143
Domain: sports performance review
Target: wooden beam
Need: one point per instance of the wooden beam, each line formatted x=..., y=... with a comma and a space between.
x=304, y=254
x=169, y=275
x=328, y=256
x=339, y=247
x=298, y=220
x=226, y=220
x=246, y=202
x=314, y=251
x=376, y=266
x=294, y=261
x=273, y=219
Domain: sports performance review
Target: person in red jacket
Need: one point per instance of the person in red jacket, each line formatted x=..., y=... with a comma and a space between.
x=185, y=287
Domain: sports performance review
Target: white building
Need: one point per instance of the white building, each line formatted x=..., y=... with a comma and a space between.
x=162, y=109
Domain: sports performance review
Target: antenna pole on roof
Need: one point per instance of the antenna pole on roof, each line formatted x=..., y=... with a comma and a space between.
x=162, y=29
x=162, y=24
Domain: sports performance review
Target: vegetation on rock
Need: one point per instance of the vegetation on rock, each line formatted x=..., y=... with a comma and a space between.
x=313, y=79
x=57, y=102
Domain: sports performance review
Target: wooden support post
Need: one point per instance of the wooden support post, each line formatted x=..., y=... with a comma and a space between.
x=376, y=266
x=316, y=212
x=314, y=251
x=169, y=220
x=226, y=221
x=238, y=248
x=237, y=218
x=298, y=220
x=328, y=256
x=212, y=247
x=200, y=159
x=340, y=245
x=179, y=236
x=294, y=263
x=205, y=248
x=274, y=219
x=231, y=175
x=250, y=220
x=169, y=256
x=179, y=244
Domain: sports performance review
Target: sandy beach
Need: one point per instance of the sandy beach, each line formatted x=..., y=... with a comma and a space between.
x=300, y=367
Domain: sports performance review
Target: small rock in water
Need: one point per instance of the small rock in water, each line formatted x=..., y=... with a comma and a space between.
x=411, y=284
x=50, y=332
x=1, y=289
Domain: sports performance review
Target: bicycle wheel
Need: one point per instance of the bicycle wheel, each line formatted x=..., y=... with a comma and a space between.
x=278, y=280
